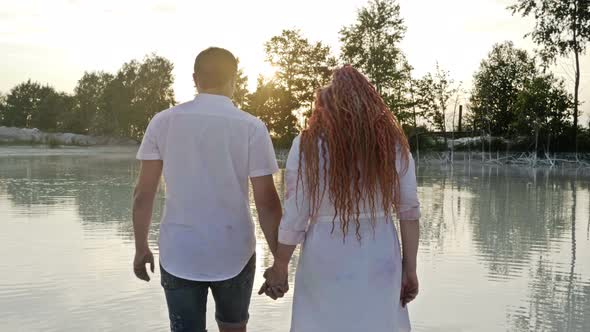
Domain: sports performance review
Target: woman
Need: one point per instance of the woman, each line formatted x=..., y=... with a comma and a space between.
x=345, y=174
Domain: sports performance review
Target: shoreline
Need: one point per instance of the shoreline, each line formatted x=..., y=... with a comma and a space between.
x=511, y=158
x=32, y=141
x=13, y=136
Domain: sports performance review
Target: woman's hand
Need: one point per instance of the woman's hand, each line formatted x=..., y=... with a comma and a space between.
x=277, y=281
x=409, y=289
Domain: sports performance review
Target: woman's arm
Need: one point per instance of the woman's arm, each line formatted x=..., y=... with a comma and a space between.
x=292, y=229
x=408, y=212
x=410, y=232
x=277, y=276
x=291, y=233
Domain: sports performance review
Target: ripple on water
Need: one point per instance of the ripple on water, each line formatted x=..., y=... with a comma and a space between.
x=67, y=244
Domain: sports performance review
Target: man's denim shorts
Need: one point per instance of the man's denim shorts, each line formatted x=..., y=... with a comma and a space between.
x=187, y=300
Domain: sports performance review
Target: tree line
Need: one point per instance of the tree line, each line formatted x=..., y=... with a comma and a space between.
x=514, y=94
x=119, y=104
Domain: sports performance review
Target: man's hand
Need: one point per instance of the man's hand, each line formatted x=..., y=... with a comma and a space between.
x=142, y=258
x=143, y=203
x=277, y=282
x=409, y=289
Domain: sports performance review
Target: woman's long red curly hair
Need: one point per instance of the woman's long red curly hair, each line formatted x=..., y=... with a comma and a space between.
x=353, y=129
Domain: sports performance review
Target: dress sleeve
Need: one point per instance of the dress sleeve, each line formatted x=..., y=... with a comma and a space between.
x=408, y=206
x=296, y=206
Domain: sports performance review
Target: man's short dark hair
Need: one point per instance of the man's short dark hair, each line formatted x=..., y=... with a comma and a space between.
x=215, y=67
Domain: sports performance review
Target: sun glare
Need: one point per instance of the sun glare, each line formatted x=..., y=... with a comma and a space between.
x=266, y=70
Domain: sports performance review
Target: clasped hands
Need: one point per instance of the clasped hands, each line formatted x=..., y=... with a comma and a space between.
x=277, y=281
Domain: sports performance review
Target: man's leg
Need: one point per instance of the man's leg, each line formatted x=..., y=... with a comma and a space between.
x=187, y=303
x=232, y=299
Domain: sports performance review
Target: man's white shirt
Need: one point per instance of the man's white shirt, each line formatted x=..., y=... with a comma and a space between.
x=209, y=150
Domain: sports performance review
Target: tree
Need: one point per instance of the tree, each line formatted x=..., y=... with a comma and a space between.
x=544, y=106
x=32, y=105
x=51, y=109
x=134, y=96
x=153, y=92
x=371, y=44
x=401, y=99
x=88, y=99
x=562, y=28
x=66, y=104
x=2, y=107
x=240, y=96
x=434, y=92
x=21, y=101
x=497, y=84
x=274, y=105
x=102, y=104
x=302, y=66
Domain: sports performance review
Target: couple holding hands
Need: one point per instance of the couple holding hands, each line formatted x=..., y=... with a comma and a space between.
x=348, y=175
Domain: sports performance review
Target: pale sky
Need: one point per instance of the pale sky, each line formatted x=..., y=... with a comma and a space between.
x=55, y=41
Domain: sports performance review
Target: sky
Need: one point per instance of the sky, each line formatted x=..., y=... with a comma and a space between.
x=55, y=41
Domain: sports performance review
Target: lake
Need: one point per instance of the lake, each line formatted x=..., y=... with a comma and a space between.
x=502, y=248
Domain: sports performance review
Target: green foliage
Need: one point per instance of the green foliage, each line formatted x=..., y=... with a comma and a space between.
x=302, y=66
x=371, y=44
x=274, y=104
x=33, y=105
x=562, y=28
x=511, y=97
x=497, y=84
x=2, y=107
x=240, y=96
x=138, y=92
x=122, y=104
x=21, y=102
x=433, y=93
x=102, y=104
x=89, y=104
x=544, y=108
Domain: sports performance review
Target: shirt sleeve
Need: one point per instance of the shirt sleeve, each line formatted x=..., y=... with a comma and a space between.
x=148, y=150
x=408, y=207
x=296, y=212
x=261, y=155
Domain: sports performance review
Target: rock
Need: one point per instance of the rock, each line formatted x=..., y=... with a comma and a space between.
x=34, y=135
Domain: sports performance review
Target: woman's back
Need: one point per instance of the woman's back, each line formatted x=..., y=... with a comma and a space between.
x=347, y=174
x=340, y=275
x=406, y=208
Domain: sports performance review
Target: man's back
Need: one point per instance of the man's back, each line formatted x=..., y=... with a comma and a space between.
x=209, y=150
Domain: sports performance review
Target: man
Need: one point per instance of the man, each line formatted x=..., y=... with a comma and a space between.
x=207, y=150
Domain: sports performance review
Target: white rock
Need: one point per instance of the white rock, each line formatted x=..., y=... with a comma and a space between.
x=11, y=134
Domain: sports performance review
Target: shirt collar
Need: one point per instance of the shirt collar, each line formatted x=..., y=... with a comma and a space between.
x=207, y=97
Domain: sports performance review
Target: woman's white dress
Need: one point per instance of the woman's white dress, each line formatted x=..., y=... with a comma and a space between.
x=343, y=284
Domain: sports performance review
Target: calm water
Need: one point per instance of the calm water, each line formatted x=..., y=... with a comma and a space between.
x=502, y=249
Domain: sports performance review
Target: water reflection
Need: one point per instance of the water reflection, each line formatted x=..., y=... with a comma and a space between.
x=523, y=225
x=501, y=249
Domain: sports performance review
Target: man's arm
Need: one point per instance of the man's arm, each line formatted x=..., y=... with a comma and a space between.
x=143, y=203
x=269, y=208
